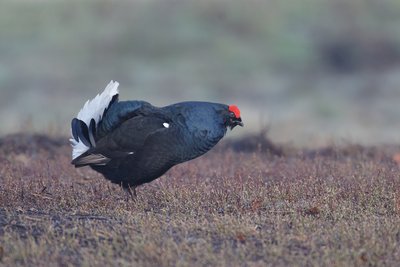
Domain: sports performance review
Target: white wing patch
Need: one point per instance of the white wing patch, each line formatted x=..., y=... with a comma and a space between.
x=93, y=109
x=166, y=124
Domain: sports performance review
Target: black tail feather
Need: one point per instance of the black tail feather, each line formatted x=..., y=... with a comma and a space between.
x=92, y=132
x=113, y=100
x=74, y=127
x=80, y=131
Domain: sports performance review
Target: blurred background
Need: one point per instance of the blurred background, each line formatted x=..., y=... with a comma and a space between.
x=313, y=71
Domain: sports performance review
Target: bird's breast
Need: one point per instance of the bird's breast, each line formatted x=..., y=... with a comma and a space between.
x=191, y=144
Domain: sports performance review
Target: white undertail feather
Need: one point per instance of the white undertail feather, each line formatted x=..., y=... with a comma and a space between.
x=93, y=109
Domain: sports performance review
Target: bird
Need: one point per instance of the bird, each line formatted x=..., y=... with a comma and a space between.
x=133, y=142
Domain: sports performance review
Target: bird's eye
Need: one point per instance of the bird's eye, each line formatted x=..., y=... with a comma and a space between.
x=232, y=115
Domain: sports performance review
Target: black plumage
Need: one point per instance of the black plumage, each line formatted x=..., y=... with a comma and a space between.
x=134, y=142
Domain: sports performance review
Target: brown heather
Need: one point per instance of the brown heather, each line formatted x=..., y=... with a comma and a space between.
x=261, y=207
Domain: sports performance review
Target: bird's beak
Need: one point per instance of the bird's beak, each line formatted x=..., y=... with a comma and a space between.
x=235, y=122
x=239, y=122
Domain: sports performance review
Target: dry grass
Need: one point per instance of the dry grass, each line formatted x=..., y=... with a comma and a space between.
x=328, y=207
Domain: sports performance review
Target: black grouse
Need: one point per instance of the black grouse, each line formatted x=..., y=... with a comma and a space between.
x=133, y=142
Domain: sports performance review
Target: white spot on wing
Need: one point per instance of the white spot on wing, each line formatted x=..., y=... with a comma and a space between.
x=131, y=153
x=166, y=124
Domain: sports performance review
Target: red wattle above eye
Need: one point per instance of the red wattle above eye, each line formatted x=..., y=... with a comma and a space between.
x=235, y=110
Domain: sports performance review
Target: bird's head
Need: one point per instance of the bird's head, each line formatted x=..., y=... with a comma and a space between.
x=233, y=118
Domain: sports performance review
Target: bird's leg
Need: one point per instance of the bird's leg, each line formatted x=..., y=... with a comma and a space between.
x=128, y=191
x=134, y=191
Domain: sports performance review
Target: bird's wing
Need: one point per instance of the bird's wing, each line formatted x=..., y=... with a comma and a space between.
x=124, y=141
x=119, y=113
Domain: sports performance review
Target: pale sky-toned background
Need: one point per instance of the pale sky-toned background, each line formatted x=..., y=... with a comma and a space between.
x=314, y=71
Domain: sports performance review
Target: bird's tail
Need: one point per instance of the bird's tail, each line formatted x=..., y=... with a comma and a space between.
x=83, y=127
